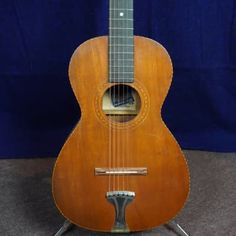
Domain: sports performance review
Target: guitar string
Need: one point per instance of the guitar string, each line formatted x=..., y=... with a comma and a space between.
x=126, y=54
x=117, y=94
x=124, y=86
x=135, y=102
x=130, y=6
x=109, y=97
x=118, y=56
x=127, y=41
x=109, y=94
x=115, y=97
x=112, y=95
x=123, y=93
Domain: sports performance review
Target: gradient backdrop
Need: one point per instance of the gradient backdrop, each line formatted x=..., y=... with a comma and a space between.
x=37, y=38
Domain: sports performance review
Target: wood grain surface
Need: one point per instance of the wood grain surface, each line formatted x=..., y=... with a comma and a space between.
x=144, y=141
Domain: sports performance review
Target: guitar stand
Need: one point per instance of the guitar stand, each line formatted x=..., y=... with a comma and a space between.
x=171, y=225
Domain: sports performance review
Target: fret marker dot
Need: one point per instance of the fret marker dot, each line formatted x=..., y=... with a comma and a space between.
x=121, y=13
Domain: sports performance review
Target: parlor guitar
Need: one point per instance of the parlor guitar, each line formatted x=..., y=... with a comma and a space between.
x=121, y=169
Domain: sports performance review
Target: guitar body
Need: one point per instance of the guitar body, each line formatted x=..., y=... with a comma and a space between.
x=144, y=141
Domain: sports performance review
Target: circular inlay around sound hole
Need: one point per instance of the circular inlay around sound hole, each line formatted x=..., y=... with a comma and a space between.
x=121, y=103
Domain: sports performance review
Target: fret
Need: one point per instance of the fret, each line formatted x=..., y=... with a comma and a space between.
x=121, y=66
x=121, y=9
x=121, y=15
x=123, y=37
x=121, y=23
x=115, y=28
x=121, y=19
x=122, y=53
x=121, y=4
x=121, y=40
x=121, y=33
x=125, y=69
x=122, y=59
x=121, y=45
x=122, y=72
x=121, y=80
x=121, y=50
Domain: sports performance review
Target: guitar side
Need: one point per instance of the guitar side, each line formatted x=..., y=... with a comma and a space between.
x=144, y=142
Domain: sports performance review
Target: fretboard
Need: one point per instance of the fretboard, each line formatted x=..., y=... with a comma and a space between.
x=121, y=41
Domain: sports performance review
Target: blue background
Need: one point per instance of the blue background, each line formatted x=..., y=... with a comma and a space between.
x=37, y=38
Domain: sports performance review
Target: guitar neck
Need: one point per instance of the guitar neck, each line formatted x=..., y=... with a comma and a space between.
x=121, y=41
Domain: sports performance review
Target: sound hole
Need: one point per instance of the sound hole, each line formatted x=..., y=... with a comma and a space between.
x=121, y=103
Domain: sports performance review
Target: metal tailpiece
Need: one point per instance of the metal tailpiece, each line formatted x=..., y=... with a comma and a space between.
x=120, y=199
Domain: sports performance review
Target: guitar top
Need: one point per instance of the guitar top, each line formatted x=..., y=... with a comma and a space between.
x=121, y=169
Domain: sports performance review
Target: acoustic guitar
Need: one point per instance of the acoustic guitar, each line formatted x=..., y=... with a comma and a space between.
x=121, y=169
